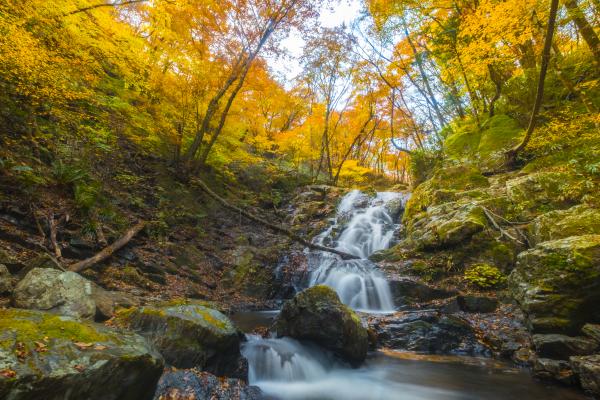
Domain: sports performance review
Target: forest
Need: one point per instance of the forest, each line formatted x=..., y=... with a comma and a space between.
x=299, y=199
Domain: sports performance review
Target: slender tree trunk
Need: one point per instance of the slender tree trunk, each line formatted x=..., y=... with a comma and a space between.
x=585, y=29
x=497, y=79
x=514, y=152
x=424, y=77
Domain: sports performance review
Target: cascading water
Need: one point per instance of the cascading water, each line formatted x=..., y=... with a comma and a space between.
x=369, y=228
x=286, y=369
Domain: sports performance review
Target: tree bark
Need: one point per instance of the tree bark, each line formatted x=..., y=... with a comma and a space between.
x=512, y=154
x=585, y=29
x=109, y=250
x=276, y=228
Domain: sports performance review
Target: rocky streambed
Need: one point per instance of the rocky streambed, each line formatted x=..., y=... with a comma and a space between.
x=69, y=338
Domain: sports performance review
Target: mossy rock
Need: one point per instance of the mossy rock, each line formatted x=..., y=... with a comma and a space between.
x=578, y=220
x=443, y=187
x=557, y=284
x=45, y=356
x=445, y=225
x=544, y=191
x=187, y=335
x=318, y=315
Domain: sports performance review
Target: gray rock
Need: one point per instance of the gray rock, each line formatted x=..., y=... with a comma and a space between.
x=558, y=370
x=477, y=303
x=188, y=335
x=428, y=332
x=561, y=347
x=192, y=384
x=53, y=357
x=560, y=224
x=318, y=315
x=410, y=291
x=65, y=293
x=6, y=280
x=588, y=370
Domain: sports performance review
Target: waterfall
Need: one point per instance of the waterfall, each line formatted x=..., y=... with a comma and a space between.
x=362, y=226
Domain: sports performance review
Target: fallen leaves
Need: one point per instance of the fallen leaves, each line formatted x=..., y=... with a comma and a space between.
x=8, y=373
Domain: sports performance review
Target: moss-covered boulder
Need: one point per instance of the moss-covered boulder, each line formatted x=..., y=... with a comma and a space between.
x=318, y=315
x=51, y=357
x=576, y=221
x=544, y=191
x=443, y=187
x=188, y=335
x=65, y=293
x=445, y=225
x=557, y=284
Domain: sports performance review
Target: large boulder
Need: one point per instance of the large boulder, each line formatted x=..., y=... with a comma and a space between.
x=65, y=293
x=192, y=384
x=543, y=191
x=557, y=284
x=318, y=315
x=188, y=335
x=445, y=225
x=588, y=370
x=51, y=357
x=560, y=224
x=428, y=332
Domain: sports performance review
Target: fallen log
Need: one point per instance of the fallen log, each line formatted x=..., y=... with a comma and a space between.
x=276, y=228
x=109, y=250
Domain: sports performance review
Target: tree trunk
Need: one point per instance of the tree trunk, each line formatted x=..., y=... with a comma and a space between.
x=585, y=29
x=511, y=155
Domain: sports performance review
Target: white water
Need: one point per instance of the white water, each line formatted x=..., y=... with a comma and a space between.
x=289, y=370
x=370, y=228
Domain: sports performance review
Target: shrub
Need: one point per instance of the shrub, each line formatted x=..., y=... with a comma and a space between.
x=484, y=276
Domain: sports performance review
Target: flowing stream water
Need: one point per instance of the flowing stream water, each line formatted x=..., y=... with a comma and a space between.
x=289, y=370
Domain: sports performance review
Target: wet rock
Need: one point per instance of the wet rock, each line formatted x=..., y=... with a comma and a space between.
x=558, y=370
x=196, y=385
x=588, y=370
x=477, y=303
x=557, y=284
x=50, y=357
x=504, y=332
x=6, y=280
x=430, y=332
x=409, y=291
x=317, y=314
x=65, y=293
x=561, y=347
x=188, y=335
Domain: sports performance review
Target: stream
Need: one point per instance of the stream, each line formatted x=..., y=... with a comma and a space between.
x=288, y=370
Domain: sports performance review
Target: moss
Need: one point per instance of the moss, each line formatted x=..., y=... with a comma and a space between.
x=30, y=326
x=484, y=276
